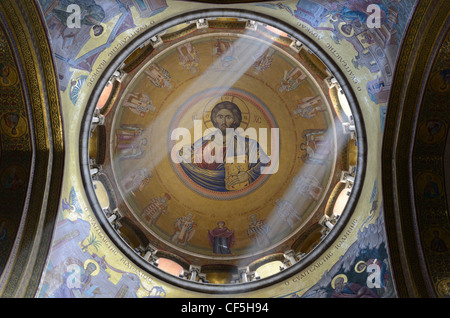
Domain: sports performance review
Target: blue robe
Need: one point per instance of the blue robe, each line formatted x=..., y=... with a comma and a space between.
x=214, y=179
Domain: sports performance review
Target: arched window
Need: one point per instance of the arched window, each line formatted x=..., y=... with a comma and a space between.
x=170, y=266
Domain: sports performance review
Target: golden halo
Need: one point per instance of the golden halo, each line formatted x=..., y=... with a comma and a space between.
x=91, y=32
x=438, y=84
x=344, y=34
x=443, y=288
x=97, y=270
x=336, y=277
x=363, y=268
x=332, y=19
x=11, y=77
x=215, y=100
x=20, y=127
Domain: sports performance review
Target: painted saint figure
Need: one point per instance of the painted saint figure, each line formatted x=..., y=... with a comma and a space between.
x=76, y=280
x=129, y=141
x=263, y=60
x=11, y=120
x=291, y=80
x=221, y=239
x=317, y=147
x=156, y=208
x=344, y=289
x=139, y=104
x=159, y=76
x=309, y=106
x=229, y=163
x=184, y=229
x=188, y=57
x=136, y=180
x=287, y=212
x=225, y=50
x=258, y=231
x=308, y=186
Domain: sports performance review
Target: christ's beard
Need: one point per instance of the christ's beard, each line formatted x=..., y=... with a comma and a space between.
x=223, y=129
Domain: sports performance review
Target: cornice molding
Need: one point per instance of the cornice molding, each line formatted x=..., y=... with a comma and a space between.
x=421, y=42
x=30, y=42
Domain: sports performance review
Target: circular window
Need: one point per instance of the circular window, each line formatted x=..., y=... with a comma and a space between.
x=218, y=151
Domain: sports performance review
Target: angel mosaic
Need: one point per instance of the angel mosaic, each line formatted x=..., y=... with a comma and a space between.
x=291, y=80
x=317, y=146
x=157, y=207
x=159, y=76
x=130, y=142
x=263, y=60
x=140, y=104
x=287, y=213
x=308, y=186
x=136, y=180
x=308, y=107
x=258, y=231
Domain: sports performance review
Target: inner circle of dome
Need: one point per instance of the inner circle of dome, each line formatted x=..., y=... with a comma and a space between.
x=171, y=210
x=211, y=98
x=201, y=210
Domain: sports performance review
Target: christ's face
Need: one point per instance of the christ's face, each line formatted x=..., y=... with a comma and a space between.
x=224, y=119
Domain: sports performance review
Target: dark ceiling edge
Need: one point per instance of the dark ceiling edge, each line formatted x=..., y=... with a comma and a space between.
x=48, y=154
x=243, y=287
x=408, y=265
x=388, y=197
x=7, y=273
x=227, y=1
x=58, y=138
x=438, y=40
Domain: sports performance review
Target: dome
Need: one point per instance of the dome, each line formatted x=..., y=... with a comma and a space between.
x=219, y=142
